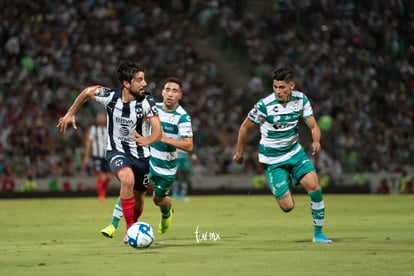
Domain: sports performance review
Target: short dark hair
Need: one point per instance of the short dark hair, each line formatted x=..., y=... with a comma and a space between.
x=283, y=74
x=175, y=80
x=127, y=70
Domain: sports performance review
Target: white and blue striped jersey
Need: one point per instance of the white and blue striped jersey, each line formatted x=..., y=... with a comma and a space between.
x=99, y=137
x=278, y=126
x=176, y=124
x=124, y=118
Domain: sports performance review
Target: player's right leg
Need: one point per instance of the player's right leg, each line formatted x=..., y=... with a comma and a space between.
x=279, y=182
x=166, y=213
x=162, y=185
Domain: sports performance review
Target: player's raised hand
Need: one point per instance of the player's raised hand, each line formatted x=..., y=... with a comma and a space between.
x=65, y=121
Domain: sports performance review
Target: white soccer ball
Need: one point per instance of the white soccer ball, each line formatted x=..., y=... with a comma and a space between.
x=140, y=235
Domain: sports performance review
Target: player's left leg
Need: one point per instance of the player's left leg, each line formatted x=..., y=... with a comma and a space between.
x=139, y=204
x=100, y=186
x=184, y=184
x=304, y=172
x=106, y=175
x=279, y=181
x=101, y=168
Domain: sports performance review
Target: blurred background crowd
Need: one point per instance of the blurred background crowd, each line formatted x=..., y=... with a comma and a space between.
x=354, y=59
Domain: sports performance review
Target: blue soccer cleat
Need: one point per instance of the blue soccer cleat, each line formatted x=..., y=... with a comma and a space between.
x=320, y=238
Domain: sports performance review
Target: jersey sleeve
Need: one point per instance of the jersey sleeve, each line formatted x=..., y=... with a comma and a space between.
x=103, y=95
x=307, y=108
x=184, y=126
x=151, y=110
x=258, y=113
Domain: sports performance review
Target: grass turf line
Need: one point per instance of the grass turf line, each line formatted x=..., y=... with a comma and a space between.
x=372, y=234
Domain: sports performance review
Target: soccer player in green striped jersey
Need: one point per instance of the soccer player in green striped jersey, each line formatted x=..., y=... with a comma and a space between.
x=283, y=158
x=177, y=134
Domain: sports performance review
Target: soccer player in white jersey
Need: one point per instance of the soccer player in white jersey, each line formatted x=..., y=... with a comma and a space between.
x=131, y=113
x=95, y=148
x=177, y=134
x=282, y=156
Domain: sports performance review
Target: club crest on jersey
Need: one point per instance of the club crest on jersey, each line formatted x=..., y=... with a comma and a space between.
x=295, y=105
x=171, y=118
x=138, y=111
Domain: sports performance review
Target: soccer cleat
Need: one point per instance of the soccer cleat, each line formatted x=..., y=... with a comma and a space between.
x=320, y=238
x=108, y=231
x=182, y=198
x=126, y=239
x=165, y=223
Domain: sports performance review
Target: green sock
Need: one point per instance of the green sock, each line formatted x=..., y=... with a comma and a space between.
x=184, y=187
x=166, y=213
x=317, y=209
x=117, y=213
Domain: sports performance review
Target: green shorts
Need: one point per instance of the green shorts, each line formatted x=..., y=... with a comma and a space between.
x=162, y=184
x=282, y=176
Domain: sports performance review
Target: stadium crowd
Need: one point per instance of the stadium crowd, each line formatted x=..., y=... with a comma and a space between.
x=353, y=58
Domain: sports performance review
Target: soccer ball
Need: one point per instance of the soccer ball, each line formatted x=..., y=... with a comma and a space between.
x=140, y=235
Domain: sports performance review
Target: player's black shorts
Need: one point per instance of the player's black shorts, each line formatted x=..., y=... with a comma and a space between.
x=140, y=167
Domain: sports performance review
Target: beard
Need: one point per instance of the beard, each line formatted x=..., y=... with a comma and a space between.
x=138, y=95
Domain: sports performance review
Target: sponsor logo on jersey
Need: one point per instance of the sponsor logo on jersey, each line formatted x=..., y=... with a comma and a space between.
x=168, y=128
x=282, y=126
x=124, y=131
x=124, y=121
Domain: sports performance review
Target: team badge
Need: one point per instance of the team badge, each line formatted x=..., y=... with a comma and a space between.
x=295, y=106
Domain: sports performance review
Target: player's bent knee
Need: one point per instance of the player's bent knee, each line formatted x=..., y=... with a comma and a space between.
x=287, y=210
x=286, y=202
x=287, y=206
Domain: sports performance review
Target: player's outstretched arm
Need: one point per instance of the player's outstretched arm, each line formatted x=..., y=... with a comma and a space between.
x=69, y=118
x=185, y=144
x=316, y=134
x=241, y=140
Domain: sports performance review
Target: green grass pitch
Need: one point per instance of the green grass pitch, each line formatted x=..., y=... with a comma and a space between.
x=238, y=235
